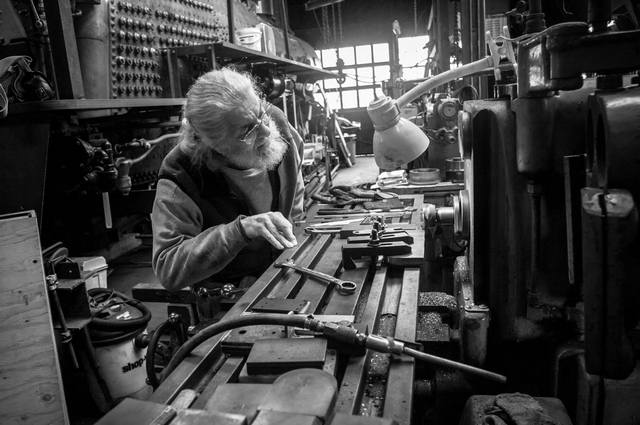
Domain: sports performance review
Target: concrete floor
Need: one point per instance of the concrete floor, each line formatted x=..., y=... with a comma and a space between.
x=364, y=170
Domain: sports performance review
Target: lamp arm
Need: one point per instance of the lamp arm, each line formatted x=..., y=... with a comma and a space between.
x=443, y=78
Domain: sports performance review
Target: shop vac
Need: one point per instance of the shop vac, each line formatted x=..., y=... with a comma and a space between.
x=118, y=331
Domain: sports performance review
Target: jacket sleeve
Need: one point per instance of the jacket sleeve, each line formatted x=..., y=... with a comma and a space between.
x=184, y=254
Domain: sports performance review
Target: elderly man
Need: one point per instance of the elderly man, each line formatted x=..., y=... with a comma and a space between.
x=228, y=191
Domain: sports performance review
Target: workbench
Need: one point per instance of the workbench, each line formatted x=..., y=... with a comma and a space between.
x=385, y=302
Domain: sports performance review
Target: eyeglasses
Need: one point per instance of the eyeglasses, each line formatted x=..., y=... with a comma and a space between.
x=251, y=129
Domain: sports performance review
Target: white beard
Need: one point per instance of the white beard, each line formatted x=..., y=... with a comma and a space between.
x=266, y=154
x=271, y=153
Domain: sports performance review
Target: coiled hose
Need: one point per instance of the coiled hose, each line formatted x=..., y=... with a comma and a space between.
x=108, y=331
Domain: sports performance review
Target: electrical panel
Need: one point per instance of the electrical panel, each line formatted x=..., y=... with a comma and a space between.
x=125, y=38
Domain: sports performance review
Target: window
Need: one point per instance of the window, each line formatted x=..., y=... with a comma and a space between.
x=413, y=56
x=365, y=67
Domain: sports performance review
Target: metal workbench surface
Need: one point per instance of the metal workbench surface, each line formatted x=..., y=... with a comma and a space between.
x=385, y=302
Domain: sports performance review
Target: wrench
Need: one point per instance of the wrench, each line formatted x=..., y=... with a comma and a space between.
x=343, y=287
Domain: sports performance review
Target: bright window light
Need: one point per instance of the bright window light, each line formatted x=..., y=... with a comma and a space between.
x=329, y=57
x=333, y=100
x=331, y=83
x=349, y=99
x=381, y=52
x=382, y=73
x=411, y=51
x=350, y=80
x=363, y=53
x=365, y=76
x=414, y=73
x=366, y=96
x=347, y=55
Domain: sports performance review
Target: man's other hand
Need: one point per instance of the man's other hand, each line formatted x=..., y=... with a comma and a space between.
x=271, y=226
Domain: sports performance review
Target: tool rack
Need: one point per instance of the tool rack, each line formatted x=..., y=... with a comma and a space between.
x=385, y=302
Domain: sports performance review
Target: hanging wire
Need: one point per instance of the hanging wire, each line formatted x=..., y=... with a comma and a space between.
x=333, y=18
x=415, y=17
x=322, y=33
x=340, y=21
x=325, y=26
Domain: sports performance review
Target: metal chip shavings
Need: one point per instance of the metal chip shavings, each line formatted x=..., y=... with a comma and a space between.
x=430, y=328
x=437, y=301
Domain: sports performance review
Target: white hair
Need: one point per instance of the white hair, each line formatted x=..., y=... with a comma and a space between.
x=210, y=100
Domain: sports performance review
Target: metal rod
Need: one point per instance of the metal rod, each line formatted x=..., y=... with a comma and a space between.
x=440, y=361
x=285, y=28
x=230, y=19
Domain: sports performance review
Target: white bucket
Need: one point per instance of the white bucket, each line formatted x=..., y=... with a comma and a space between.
x=250, y=38
x=122, y=366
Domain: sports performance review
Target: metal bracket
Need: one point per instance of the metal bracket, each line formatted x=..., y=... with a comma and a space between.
x=359, y=250
x=398, y=236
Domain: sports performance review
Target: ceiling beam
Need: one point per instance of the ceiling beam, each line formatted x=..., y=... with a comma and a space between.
x=317, y=4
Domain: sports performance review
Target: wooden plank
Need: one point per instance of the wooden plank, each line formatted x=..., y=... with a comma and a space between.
x=399, y=396
x=350, y=389
x=64, y=50
x=30, y=381
x=94, y=104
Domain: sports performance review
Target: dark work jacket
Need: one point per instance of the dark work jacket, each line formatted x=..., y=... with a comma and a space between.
x=219, y=205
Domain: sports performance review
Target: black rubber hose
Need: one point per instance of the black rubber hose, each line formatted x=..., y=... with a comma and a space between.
x=152, y=378
x=219, y=327
x=105, y=324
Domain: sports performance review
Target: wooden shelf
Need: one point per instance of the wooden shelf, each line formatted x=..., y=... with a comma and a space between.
x=93, y=104
x=228, y=53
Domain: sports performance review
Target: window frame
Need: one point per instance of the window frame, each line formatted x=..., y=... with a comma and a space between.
x=353, y=69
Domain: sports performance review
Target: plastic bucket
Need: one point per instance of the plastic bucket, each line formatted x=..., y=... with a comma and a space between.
x=120, y=353
x=250, y=38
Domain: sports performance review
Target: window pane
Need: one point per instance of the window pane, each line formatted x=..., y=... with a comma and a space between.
x=319, y=55
x=350, y=80
x=366, y=96
x=329, y=57
x=349, y=99
x=382, y=73
x=381, y=52
x=333, y=99
x=363, y=53
x=347, y=55
x=411, y=51
x=331, y=83
x=365, y=76
x=413, y=73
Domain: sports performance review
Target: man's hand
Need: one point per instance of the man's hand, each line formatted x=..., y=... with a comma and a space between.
x=271, y=226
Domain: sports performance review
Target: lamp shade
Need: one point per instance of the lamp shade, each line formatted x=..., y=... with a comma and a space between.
x=396, y=140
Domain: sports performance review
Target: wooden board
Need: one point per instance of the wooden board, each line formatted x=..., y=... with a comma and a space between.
x=30, y=382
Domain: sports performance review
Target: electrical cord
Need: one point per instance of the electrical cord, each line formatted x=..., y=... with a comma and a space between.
x=172, y=323
x=110, y=325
